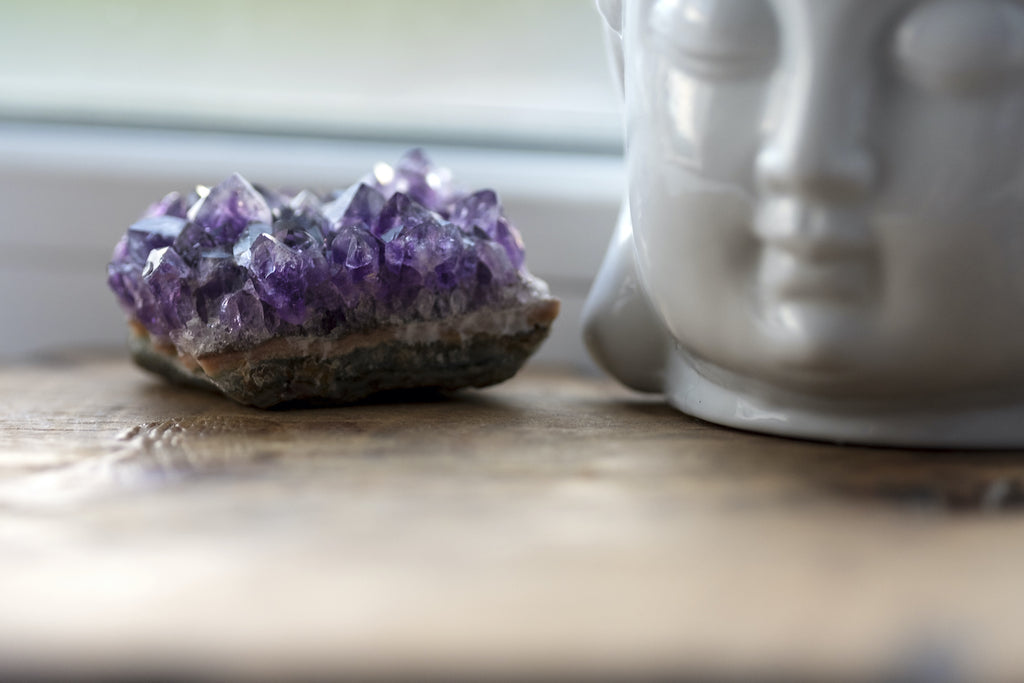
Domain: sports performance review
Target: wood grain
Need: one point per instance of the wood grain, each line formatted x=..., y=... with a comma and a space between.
x=555, y=523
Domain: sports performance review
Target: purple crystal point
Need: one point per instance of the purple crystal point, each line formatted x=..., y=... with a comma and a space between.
x=165, y=268
x=305, y=202
x=278, y=274
x=400, y=212
x=241, y=312
x=192, y=241
x=358, y=204
x=124, y=279
x=120, y=254
x=508, y=237
x=358, y=251
x=494, y=264
x=480, y=209
x=450, y=246
x=216, y=275
x=173, y=204
x=304, y=211
x=417, y=176
x=242, y=248
x=277, y=200
x=415, y=161
x=413, y=248
x=300, y=233
x=229, y=207
x=151, y=233
x=166, y=279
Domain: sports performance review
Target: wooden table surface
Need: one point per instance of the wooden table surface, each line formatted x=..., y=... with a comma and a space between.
x=553, y=524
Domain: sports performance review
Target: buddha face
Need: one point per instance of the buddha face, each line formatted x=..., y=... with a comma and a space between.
x=828, y=195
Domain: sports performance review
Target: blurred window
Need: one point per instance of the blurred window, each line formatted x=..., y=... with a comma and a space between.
x=496, y=72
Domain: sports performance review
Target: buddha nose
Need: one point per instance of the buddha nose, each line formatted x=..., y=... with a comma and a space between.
x=815, y=147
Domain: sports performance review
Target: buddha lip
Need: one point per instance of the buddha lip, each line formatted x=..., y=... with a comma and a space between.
x=815, y=234
x=815, y=253
x=785, y=275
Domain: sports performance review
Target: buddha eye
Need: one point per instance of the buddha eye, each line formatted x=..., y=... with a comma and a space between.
x=717, y=39
x=961, y=46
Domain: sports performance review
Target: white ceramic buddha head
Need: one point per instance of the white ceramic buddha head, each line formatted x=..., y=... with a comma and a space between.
x=824, y=228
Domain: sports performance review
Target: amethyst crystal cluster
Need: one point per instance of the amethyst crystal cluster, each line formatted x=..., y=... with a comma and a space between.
x=239, y=264
x=232, y=267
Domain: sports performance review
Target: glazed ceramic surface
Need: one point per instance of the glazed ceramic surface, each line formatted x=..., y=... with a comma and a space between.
x=823, y=234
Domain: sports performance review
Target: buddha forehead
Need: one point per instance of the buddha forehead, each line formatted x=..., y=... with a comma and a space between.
x=965, y=57
x=964, y=35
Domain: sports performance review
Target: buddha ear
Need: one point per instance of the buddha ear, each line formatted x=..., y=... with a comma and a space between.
x=611, y=12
